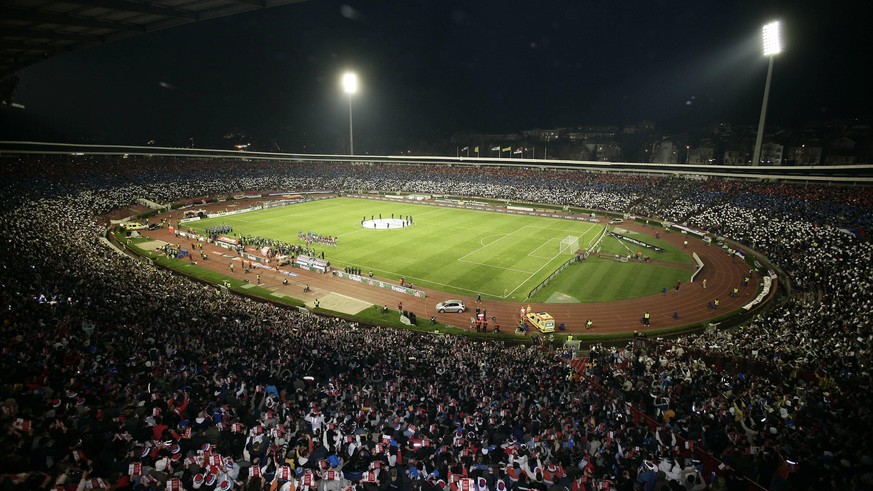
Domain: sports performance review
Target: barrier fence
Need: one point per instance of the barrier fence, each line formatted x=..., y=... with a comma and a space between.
x=575, y=258
x=552, y=276
x=380, y=284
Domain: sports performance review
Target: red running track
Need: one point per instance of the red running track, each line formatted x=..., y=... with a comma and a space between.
x=722, y=272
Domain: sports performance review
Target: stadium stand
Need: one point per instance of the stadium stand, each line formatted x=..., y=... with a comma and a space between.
x=120, y=375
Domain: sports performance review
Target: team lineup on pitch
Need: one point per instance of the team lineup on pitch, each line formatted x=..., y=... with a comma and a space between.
x=465, y=252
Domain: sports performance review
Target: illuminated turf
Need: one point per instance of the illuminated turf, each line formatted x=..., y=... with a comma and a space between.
x=499, y=255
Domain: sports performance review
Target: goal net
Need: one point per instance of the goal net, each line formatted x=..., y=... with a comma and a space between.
x=569, y=245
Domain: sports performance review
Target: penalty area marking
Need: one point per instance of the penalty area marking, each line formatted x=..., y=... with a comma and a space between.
x=482, y=240
x=544, y=244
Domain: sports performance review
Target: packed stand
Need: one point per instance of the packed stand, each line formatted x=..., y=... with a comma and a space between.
x=120, y=374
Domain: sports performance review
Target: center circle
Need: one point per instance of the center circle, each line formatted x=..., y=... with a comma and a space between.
x=384, y=223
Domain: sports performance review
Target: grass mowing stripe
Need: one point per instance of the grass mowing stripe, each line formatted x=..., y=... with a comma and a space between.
x=614, y=280
x=601, y=280
x=451, y=249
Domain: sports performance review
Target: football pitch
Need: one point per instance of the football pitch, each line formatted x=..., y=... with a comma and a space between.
x=498, y=255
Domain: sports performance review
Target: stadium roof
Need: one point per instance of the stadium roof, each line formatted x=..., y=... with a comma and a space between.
x=34, y=30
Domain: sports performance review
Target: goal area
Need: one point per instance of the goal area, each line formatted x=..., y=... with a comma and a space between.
x=569, y=245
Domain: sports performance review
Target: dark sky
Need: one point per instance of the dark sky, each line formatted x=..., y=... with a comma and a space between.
x=431, y=68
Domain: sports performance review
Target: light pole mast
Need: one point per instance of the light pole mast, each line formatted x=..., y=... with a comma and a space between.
x=772, y=47
x=350, y=86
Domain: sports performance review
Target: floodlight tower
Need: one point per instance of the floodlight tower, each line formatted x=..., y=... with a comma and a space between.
x=350, y=86
x=772, y=47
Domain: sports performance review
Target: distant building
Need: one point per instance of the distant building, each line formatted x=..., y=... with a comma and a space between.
x=771, y=153
x=736, y=157
x=701, y=155
x=665, y=152
x=608, y=152
x=803, y=155
x=588, y=133
x=841, y=152
x=834, y=142
x=588, y=151
x=549, y=135
x=540, y=135
x=841, y=160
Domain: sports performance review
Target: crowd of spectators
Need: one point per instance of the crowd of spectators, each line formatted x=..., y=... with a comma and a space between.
x=276, y=246
x=118, y=374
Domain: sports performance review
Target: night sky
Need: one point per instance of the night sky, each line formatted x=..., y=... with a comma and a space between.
x=428, y=69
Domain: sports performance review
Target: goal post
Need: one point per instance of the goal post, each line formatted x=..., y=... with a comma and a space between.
x=569, y=245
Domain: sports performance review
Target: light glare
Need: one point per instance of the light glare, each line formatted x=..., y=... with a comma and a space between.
x=350, y=83
x=772, y=43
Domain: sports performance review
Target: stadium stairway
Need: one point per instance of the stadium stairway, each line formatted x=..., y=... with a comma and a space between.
x=578, y=365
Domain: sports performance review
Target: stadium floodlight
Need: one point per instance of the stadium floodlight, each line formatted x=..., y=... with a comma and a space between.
x=772, y=47
x=772, y=43
x=350, y=86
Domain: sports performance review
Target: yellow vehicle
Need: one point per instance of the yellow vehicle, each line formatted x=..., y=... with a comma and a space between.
x=134, y=226
x=541, y=320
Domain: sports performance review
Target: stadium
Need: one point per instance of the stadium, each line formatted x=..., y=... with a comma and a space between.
x=503, y=265
x=206, y=319
x=138, y=316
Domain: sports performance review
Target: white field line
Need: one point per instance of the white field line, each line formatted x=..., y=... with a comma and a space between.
x=498, y=240
x=357, y=225
x=324, y=205
x=533, y=253
x=482, y=240
x=543, y=266
x=425, y=213
x=548, y=259
x=496, y=267
x=357, y=229
x=461, y=259
x=431, y=282
x=501, y=237
x=256, y=222
x=238, y=218
x=531, y=275
x=290, y=217
x=544, y=244
x=622, y=244
x=592, y=228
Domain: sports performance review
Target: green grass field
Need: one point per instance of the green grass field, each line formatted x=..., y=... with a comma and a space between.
x=499, y=255
x=604, y=280
x=670, y=254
